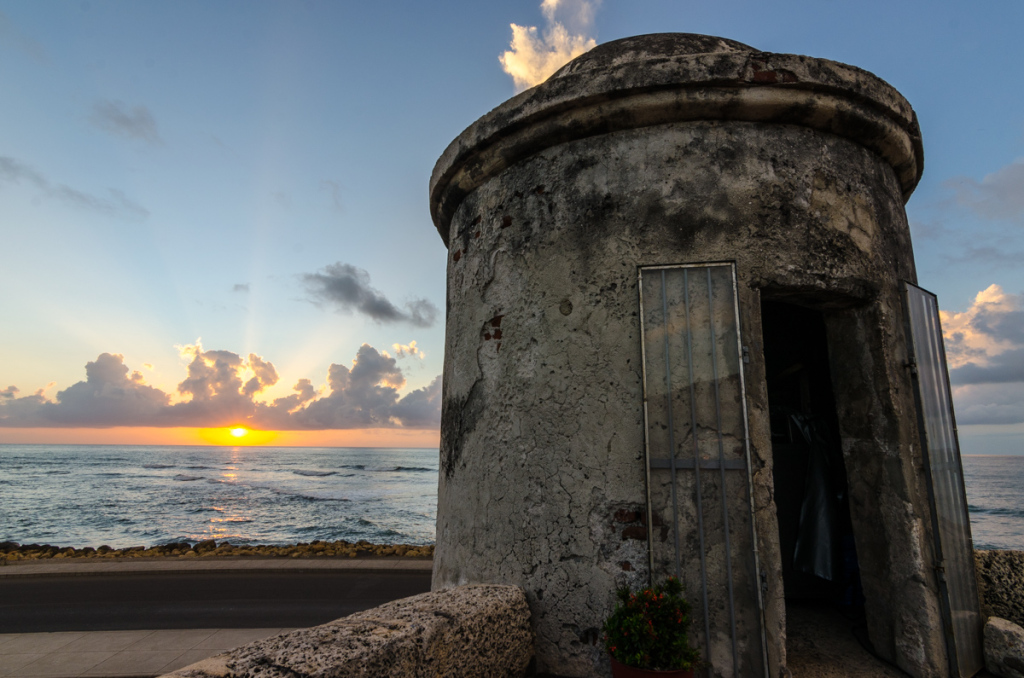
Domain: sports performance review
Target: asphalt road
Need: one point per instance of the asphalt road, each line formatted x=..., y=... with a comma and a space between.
x=195, y=600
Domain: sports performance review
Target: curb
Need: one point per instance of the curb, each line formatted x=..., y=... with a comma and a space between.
x=214, y=566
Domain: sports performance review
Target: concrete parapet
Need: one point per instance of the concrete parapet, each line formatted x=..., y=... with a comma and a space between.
x=480, y=630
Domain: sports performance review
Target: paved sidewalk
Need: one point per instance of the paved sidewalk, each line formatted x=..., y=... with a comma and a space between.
x=110, y=654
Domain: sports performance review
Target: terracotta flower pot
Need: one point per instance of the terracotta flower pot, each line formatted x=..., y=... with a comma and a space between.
x=623, y=671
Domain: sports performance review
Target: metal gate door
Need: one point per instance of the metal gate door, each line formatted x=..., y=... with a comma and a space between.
x=954, y=548
x=698, y=467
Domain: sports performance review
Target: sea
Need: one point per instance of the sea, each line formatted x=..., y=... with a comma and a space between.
x=121, y=495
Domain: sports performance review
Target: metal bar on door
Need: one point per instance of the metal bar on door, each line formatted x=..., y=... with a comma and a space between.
x=696, y=460
x=671, y=434
x=721, y=461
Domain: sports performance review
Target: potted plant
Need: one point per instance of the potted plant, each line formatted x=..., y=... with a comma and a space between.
x=648, y=633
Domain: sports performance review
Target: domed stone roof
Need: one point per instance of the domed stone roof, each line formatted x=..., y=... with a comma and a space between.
x=644, y=47
x=667, y=78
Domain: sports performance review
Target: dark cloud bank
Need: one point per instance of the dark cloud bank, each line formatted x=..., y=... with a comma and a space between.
x=220, y=389
x=348, y=289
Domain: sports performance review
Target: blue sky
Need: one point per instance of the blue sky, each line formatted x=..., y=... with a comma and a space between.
x=254, y=174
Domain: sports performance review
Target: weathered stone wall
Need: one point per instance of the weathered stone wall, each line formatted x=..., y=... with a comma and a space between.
x=544, y=331
x=466, y=632
x=1001, y=584
x=542, y=452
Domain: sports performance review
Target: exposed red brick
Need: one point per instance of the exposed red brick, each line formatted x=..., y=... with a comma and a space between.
x=626, y=516
x=634, y=532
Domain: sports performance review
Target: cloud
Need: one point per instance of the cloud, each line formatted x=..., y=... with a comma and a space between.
x=348, y=289
x=221, y=389
x=115, y=118
x=282, y=198
x=360, y=396
x=240, y=287
x=109, y=396
x=991, y=326
x=535, y=55
x=999, y=195
x=408, y=350
x=422, y=407
x=989, y=256
x=985, y=354
x=13, y=171
x=333, y=189
x=11, y=36
x=928, y=230
x=989, y=404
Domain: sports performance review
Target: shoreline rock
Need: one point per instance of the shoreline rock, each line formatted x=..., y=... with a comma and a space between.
x=1001, y=584
x=13, y=551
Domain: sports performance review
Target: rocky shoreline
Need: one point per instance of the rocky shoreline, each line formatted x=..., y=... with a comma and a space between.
x=1001, y=584
x=13, y=551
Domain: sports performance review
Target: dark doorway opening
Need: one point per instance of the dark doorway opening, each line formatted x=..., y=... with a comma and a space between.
x=819, y=559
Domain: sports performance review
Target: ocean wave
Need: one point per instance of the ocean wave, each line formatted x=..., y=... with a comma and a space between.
x=199, y=468
x=382, y=531
x=398, y=469
x=158, y=466
x=186, y=479
x=314, y=474
x=1011, y=512
x=305, y=496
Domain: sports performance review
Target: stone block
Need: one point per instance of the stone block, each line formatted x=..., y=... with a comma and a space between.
x=472, y=631
x=1004, y=648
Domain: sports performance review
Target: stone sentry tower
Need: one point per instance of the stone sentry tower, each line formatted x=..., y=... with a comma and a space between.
x=683, y=338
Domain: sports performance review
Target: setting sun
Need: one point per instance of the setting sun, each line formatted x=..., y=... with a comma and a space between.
x=236, y=435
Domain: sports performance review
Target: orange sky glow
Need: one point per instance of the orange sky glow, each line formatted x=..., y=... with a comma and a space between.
x=374, y=437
